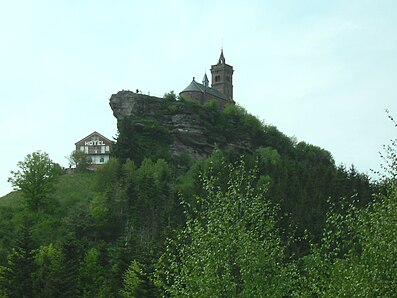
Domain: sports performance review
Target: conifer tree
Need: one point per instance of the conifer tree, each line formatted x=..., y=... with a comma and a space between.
x=46, y=278
x=70, y=260
x=91, y=278
x=21, y=265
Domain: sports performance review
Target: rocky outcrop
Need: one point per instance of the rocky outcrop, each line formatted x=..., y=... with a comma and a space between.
x=190, y=126
x=128, y=103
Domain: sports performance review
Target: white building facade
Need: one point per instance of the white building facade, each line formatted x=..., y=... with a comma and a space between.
x=97, y=147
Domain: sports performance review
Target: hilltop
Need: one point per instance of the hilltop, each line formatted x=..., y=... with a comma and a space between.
x=105, y=229
x=183, y=133
x=167, y=128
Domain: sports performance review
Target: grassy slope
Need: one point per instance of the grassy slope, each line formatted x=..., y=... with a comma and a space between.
x=70, y=189
x=75, y=187
x=11, y=199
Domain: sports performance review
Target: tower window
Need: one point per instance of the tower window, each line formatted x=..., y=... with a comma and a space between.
x=217, y=78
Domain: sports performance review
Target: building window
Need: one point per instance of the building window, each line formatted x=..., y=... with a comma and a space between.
x=82, y=148
x=102, y=160
x=107, y=149
x=217, y=78
x=102, y=149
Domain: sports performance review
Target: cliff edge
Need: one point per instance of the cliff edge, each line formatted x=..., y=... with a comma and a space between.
x=150, y=126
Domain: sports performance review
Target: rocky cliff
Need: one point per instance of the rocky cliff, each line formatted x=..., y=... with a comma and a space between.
x=187, y=128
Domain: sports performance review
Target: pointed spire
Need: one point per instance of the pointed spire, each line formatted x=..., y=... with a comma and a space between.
x=205, y=80
x=221, y=58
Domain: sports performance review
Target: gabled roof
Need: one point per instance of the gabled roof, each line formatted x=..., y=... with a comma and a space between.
x=197, y=87
x=94, y=133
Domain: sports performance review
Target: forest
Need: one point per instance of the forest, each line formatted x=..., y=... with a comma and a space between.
x=282, y=221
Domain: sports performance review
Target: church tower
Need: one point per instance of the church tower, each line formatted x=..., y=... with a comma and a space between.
x=222, y=77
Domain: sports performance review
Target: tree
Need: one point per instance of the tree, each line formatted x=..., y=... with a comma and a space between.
x=109, y=206
x=389, y=157
x=92, y=275
x=132, y=278
x=153, y=206
x=3, y=291
x=71, y=255
x=357, y=253
x=46, y=278
x=230, y=245
x=35, y=179
x=20, y=266
x=170, y=96
x=79, y=160
x=358, y=250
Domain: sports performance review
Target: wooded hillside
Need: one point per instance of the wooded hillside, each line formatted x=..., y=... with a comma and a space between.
x=275, y=219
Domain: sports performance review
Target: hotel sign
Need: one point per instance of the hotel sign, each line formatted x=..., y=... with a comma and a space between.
x=94, y=143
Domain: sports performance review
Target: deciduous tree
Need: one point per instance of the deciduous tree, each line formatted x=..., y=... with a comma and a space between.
x=230, y=246
x=35, y=178
x=79, y=160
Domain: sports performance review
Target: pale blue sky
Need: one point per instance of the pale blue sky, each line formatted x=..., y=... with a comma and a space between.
x=322, y=71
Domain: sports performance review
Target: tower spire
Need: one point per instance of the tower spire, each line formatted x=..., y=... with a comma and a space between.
x=221, y=58
x=222, y=77
x=205, y=80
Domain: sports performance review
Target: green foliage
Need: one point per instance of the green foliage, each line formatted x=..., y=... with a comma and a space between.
x=91, y=278
x=268, y=156
x=108, y=176
x=104, y=233
x=46, y=277
x=79, y=160
x=72, y=253
x=212, y=105
x=9, y=226
x=389, y=156
x=74, y=188
x=357, y=254
x=13, y=198
x=20, y=265
x=132, y=279
x=140, y=138
x=230, y=246
x=170, y=96
x=109, y=207
x=35, y=178
x=358, y=250
x=244, y=122
x=100, y=210
x=3, y=291
x=153, y=205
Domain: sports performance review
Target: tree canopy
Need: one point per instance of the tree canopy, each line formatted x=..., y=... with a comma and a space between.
x=35, y=178
x=281, y=220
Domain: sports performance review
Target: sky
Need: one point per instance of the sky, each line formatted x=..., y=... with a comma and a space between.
x=322, y=72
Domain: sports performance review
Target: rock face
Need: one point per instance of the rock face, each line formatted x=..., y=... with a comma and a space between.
x=127, y=103
x=190, y=126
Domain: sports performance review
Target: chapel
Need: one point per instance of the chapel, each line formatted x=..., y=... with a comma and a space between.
x=221, y=89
